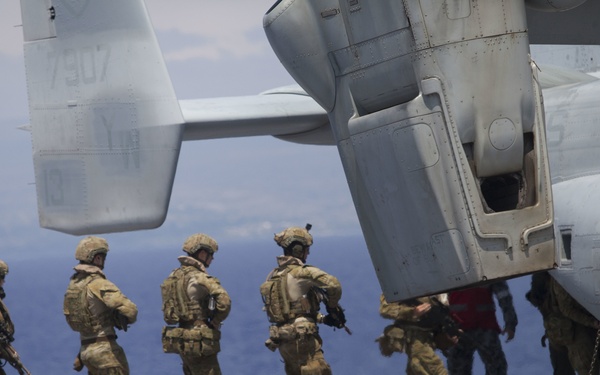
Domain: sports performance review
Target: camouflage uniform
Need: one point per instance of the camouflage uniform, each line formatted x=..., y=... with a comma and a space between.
x=481, y=330
x=5, y=320
x=538, y=295
x=294, y=331
x=412, y=335
x=580, y=338
x=93, y=306
x=195, y=320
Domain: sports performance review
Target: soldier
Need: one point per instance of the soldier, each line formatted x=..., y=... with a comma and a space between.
x=7, y=330
x=7, y=327
x=538, y=295
x=292, y=295
x=419, y=326
x=570, y=329
x=93, y=306
x=475, y=309
x=198, y=304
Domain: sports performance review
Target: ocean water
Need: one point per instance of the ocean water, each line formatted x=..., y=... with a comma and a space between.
x=35, y=290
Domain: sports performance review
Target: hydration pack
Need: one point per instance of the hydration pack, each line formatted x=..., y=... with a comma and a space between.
x=276, y=298
x=176, y=304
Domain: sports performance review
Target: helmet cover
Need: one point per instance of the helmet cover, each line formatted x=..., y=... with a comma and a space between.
x=200, y=241
x=89, y=247
x=293, y=234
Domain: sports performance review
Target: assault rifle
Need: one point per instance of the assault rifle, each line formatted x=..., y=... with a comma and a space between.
x=442, y=313
x=335, y=316
x=9, y=353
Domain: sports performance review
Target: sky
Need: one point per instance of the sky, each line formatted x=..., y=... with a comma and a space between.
x=212, y=49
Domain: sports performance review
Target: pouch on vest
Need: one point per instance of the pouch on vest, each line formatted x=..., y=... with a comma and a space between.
x=559, y=330
x=211, y=339
x=305, y=328
x=172, y=339
x=201, y=341
x=392, y=340
x=283, y=333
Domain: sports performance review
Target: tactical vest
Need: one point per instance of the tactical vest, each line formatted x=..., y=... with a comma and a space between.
x=277, y=302
x=76, y=310
x=475, y=308
x=176, y=304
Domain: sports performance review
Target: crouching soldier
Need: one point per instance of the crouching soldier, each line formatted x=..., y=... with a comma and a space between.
x=198, y=304
x=93, y=306
x=421, y=325
x=292, y=295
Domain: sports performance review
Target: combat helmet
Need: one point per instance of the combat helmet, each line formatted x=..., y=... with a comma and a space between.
x=3, y=269
x=200, y=241
x=89, y=247
x=294, y=235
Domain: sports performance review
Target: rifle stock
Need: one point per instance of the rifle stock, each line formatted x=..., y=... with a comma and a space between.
x=446, y=317
x=10, y=354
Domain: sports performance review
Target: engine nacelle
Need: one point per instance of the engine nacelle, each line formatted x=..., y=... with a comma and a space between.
x=446, y=163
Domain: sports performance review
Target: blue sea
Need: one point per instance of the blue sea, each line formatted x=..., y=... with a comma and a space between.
x=35, y=289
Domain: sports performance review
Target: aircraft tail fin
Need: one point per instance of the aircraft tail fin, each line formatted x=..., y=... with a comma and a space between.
x=106, y=125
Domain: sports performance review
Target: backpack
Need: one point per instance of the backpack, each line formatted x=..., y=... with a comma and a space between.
x=75, y=307
x=176, y=304
x=275, y=296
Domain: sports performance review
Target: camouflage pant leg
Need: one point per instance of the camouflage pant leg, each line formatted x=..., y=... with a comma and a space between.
x=304, y=356
x=200, y=365
x=559, y=357
x=422, y=359
x=581, y=351
x=104, y=358
x=488, y=346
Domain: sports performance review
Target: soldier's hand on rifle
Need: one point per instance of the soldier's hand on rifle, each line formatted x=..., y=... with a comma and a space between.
x=332, y=321
x=421, y=310
x=338, y=314
x=335, y=317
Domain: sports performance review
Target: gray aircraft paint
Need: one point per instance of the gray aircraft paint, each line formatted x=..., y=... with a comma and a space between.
x=416, y=134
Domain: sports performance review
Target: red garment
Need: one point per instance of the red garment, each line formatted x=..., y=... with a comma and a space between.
x=474, y=308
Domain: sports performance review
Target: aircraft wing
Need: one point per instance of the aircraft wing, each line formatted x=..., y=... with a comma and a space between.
x=287, y=113
x=552, y=76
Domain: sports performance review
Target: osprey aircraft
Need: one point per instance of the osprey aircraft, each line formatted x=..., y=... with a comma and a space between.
x=464, y=167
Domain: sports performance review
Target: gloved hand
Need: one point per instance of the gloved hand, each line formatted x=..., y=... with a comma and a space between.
x=335, y=317
x=331, y=321
x=77, y=364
